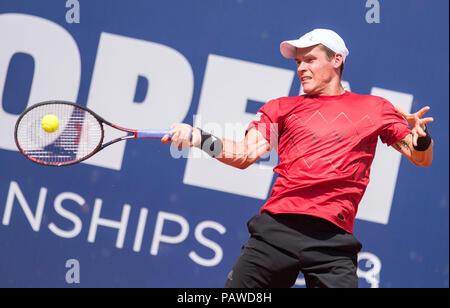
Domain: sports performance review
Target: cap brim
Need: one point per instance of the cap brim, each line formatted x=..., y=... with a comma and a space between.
x=288, y=49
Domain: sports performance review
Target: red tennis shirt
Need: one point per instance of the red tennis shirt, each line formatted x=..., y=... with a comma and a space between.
x=326, y=145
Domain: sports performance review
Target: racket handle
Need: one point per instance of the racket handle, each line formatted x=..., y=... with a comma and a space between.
x=153, y=133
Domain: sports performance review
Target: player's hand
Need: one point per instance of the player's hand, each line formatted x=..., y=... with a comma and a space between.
x=184, y=136
x=416, y=121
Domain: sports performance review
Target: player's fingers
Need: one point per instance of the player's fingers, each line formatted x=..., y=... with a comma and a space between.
x=415, y=137
x=413, y=134
x=421, y=131
x=422, y=111
x=427, y=120
x=181, y=135
x=165, y=139
x=188, y=135
x=196, y=137
x=421, y=126
x=184, y=137
x=183, y=142
x=174, y=133
x=189, y=138
x=175, y=136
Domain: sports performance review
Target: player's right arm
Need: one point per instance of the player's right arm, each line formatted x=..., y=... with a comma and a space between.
x=245, y=153
x=236, y=154
x=408, y=145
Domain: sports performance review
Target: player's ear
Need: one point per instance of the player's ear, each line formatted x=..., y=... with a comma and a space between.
x=337, y=60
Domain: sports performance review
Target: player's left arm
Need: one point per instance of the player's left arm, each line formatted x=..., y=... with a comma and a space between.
x=417, y=146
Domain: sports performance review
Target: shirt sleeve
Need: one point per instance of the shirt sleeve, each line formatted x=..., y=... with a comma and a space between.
x=393, y=126
x=266, y=121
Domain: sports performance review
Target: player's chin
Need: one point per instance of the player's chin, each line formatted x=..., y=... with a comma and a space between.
x=308, y=86
x=308, y=89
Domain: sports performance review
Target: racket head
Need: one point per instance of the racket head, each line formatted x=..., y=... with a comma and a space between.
x=79, y=135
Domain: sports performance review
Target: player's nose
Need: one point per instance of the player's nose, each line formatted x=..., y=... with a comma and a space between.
x=301, y=69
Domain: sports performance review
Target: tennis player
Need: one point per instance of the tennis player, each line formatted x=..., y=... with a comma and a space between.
x=326, y=142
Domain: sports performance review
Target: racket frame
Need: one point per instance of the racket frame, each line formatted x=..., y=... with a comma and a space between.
x=131, y=133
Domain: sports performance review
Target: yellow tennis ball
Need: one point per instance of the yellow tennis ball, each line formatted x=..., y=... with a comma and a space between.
x=50, y=123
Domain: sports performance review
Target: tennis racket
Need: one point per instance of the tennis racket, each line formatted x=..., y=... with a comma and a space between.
x=79, y=136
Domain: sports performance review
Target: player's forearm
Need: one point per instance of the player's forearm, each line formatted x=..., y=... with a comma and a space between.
x=422, y=149
x=422, y=158
x=237, y=154
x=418, y=158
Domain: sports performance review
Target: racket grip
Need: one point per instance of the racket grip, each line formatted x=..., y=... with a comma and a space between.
x=153, y=133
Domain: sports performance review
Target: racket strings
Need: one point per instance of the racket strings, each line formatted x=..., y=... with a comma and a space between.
x=78, y=135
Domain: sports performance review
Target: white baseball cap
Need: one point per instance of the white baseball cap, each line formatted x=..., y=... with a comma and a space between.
x=325, y=37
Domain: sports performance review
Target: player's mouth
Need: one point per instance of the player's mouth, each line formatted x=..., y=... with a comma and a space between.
x=305, y=79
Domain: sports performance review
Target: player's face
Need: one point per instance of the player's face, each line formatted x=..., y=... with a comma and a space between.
x=315, y=70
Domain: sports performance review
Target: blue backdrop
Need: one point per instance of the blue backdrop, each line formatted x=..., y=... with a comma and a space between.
x=140, y=217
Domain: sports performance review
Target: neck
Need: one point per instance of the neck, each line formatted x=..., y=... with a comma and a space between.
x=338, y=91
x=331, y=89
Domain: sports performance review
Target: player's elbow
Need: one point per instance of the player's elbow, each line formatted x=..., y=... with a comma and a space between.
x=243, y=166
x=246, y=163
x=241, y=162
x=423, y=163
x=248, y=160
x=428, y=164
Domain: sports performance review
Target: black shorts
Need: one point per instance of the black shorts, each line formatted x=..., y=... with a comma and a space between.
x=282, y=245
